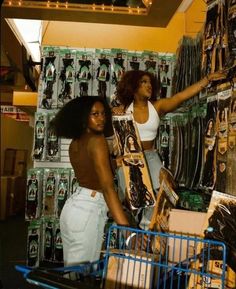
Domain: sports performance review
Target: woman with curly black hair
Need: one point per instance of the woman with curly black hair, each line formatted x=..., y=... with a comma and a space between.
x=86, y=120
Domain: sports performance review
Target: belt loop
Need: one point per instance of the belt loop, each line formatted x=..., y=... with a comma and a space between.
x=93, y=194
x=77, y=192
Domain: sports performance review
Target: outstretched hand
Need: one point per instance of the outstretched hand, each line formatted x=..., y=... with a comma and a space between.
x=218, y=75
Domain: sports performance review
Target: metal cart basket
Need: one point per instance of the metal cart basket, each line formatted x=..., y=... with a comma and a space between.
x=169, y=261
x=166, y=261
x=82, y=276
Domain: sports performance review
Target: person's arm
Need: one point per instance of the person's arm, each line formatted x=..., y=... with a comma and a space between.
x=164, y=106
x=99, y=153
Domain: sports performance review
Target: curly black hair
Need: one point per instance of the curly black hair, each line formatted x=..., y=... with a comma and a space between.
x=71, y=120
x=129, y=84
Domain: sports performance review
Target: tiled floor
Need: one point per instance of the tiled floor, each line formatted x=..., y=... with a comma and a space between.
x=13, y=234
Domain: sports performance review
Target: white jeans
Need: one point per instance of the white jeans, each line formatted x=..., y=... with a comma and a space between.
x=82, y=223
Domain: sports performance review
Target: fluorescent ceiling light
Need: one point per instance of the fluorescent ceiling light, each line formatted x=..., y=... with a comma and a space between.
x=29, y=32
x=184, y=5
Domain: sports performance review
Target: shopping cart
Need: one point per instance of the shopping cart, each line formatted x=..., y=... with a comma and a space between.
x=166, y=261
x=86, y=276
x=169, y=261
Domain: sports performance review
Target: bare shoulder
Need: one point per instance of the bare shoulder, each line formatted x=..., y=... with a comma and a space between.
x=98, y=148
x=74, y=145
x=97, y=142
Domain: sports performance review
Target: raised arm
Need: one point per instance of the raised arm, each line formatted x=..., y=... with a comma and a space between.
x=166, y=105
x=98, y=149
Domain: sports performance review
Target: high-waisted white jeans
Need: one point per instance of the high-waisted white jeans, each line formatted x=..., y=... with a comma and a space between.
x=82, y=223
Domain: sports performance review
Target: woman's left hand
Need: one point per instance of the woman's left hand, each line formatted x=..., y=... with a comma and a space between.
x=218, y=75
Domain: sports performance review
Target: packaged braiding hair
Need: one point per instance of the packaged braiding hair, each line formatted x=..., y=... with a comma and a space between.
x=139, y=192
x=52, y=142
x=209, y=159
x=39, y=136
x=224, y=96
x=149, y=61
x=66, y=77
x=209, y=37
x=164, y=74
x=118, y=68
x=103, y=73
x=74, y=184
x=58, y=246
x=48, y=240
x=62, y=190
x=33, y=244
x=33, y=193
x=231, y=17
x=222, y=223
x=134, y=60
x=49, y=194
x=84, y=67
x=48, y=88
x=231, y=152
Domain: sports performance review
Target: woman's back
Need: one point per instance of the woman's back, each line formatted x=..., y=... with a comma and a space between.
x=83, y=164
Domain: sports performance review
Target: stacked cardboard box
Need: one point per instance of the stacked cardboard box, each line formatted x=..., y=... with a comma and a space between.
x=12, y=198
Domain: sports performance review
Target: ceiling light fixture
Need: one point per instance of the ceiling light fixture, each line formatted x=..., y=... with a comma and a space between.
x=29, y=32
x=141, y=6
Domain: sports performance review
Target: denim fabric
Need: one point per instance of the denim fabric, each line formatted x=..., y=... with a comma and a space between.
x=154, y=166
x=82, y=223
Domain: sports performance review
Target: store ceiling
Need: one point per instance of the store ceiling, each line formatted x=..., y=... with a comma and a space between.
x=156, y=13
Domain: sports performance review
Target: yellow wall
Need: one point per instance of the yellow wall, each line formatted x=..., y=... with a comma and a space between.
x=92, y=35
x=195, y=17
x=16, y=135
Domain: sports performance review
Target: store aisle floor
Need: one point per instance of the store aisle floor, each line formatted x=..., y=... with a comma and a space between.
x=13, y=236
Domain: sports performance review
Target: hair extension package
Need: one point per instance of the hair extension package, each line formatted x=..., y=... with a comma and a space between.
x=221, y=226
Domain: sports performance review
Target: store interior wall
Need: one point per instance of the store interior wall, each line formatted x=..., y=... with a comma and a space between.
x=16, y=135
x=195, y=18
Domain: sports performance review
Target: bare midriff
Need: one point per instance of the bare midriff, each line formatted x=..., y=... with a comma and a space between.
x=148, y=145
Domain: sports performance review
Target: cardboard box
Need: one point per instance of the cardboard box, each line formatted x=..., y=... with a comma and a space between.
x=15, y=162
x=20, y=164
x=9, y=162
x=129, y=271
x=187, y=223
x=12, y=198
x=4, y=185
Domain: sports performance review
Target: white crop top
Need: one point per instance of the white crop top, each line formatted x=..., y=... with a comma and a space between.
x=148, y=130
